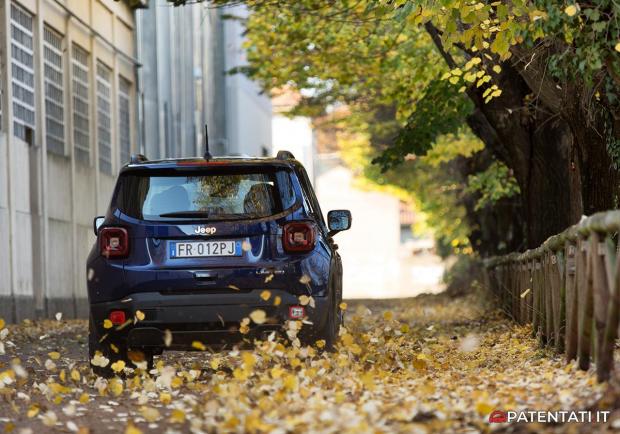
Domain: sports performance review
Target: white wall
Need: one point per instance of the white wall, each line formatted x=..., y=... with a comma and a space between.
x=248, y=113
x=370, y=248
x=294, y=135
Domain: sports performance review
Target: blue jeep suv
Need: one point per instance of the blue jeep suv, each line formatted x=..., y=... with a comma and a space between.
x=197, y=252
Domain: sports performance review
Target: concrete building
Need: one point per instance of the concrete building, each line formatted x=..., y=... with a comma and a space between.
x=84, y=84
x=67, y=75
x=186, y=53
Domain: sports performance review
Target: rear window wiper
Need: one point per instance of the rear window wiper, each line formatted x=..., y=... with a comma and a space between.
x=186, y=214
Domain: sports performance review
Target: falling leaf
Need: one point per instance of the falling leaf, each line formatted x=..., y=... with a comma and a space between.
x=58, y=316
x=304, y=300
x=99, y=360
x=107, y=324
x=469, y=343
x=246, y=246
x=277, y=300
x=265, y=295
x=305, y=279
x=167, y=338
x=49, y=418
x=617, y=47
x=388, y=315
x=525, y=293
x=199, y=345
x=497, y=69
x=342, y=306
x=269, y=278
x=236, y=288
x=258, y=316
x=140, y=315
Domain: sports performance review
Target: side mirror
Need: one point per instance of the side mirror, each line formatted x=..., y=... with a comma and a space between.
x=97, y=222
x=338, y=220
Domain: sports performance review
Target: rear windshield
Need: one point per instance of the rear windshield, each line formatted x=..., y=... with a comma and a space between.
x=219, y=196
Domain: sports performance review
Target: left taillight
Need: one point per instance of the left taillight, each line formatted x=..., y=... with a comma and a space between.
x=113, y=242
x=298, y=237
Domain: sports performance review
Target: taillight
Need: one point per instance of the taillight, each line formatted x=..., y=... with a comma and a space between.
x=298, y=237
x=117, y=317
x=113, y=242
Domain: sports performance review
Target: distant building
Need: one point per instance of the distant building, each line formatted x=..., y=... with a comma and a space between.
x=185, y=54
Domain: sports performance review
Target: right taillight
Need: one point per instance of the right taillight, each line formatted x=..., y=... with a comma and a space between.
x=298, y=237
x=113, y=242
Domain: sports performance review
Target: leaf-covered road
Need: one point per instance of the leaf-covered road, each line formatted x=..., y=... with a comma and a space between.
x=426, y=364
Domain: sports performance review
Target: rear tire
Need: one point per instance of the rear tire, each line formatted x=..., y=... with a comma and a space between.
x=105, y=348
x=329, y=331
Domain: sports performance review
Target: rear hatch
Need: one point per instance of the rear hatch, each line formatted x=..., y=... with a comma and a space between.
x=215, y=227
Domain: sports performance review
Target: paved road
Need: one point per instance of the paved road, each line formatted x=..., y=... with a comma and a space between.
x=424, y=364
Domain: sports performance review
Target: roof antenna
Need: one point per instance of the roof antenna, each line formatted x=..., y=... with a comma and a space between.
x=207, y=155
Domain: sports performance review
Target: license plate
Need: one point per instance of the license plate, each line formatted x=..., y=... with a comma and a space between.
x=204, y=249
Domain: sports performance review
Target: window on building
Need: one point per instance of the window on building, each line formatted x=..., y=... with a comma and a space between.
x=54, y=92
x=124, y=118
x=22, y=66
x=104, y=122
x=81, y=106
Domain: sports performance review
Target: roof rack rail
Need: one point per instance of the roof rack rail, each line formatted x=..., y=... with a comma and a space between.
x=137, y=159
x=285, y=155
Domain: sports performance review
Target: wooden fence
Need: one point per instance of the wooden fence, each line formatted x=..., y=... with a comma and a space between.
x=568, y=289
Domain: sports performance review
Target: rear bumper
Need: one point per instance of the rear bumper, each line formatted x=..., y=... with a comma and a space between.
x=208, y=318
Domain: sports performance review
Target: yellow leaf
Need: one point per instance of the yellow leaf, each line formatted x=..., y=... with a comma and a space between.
x=320, y=343
x=570, y=10
x=236, y=288
x=33, y=411
x=107, y=324
x=215, y=363
x=290, y=382
x=497, y=69
x=388, y=315
x=199, y=345
x=75, y=375
x=84, y=398
x=617, y=49
x=2, y=323
x=484, y=408
x=258, y=316
x=150, y=414
x=140, y=315
x=343, y=306
x=304, y=300
x=132, y=429
x=116, y=386
x=177, y=416
x=118, y=366
x=454, y=79
x=165, y=398
x=54, y=355
x=265, y=295
x=277, y=301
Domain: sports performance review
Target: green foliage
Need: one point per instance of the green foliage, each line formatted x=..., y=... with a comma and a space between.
x=493, y=184
x=439, y=110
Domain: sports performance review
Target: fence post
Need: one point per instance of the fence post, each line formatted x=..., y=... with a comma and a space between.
x=573, y=258
x=605, y=363
x=585, y=305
